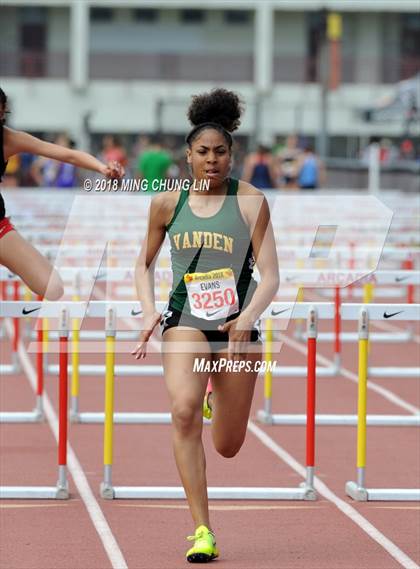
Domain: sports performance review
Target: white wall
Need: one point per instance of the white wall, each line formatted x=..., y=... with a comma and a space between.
x=170, y=34
x=131, y=107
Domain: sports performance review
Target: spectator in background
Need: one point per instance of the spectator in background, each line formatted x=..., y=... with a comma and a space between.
x=52, y=174
x=113, y=150
x=26, y=178
x=310, y=170
x=154, y=162
x=10, y=178
x=388, y=152
x=407, y=151
x=287, y=158
x=259, y=168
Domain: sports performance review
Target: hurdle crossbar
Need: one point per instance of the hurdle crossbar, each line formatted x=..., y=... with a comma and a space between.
x=380, y=337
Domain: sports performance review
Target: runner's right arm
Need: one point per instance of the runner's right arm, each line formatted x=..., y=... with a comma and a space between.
x=159, y=216
x=145, y=265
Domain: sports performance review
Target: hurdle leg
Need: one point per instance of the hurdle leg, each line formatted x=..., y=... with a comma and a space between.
x=27, y=297
x=408, y=264
x=62, y=484
x=299, y=321
x=75, y=383
x=265, y=415
x=312, y=329
x=75, y=376
x=106, y=489
x=351, y=266
x=39, y=408
x=45, y=328
x=16, y=331
x=357, y=490
x=337, y=328
x=367, y=298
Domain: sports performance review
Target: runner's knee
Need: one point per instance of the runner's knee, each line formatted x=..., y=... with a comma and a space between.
x=228, y=448
x=186, y=417
x=54, y=289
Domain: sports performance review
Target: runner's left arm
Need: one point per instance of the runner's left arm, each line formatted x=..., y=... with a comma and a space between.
x=264, y=246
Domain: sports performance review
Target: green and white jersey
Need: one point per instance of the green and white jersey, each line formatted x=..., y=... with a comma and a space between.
x=204, y=244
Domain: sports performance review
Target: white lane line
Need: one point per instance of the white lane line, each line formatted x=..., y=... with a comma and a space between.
x=386, y=393
x=389, y=546
x=222, y=508
x=96, y=515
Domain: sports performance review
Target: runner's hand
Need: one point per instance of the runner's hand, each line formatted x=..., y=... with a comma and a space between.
x=114, y=170
x=149, y=324
x=239, y=331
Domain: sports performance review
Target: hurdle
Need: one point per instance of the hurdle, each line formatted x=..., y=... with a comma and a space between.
x=61, y=490
x=117, y=274
x=97, y=309
x=407, y=278
x=404, y=312
x=357, y=490
x=305, y=491
x=37, y=414
x=13, y=368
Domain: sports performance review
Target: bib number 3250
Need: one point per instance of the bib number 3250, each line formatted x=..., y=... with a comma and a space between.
x=212, y=295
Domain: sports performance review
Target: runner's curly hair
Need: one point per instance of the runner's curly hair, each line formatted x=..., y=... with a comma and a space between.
x=219, y=109
x=3, y=105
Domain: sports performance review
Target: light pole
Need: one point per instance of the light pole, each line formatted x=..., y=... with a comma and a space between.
x=329, y=72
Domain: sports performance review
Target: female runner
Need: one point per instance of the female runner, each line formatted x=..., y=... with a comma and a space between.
x=215, y=236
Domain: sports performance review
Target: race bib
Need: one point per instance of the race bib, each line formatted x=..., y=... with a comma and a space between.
x=212, y=295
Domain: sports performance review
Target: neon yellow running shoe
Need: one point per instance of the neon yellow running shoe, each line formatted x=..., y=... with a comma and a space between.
x=204, y=548
x=207, y=410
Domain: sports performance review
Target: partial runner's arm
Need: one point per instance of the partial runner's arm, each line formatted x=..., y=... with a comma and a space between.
x=257, y=213
x=159, y=215
x=145, y=264
x=17, y=141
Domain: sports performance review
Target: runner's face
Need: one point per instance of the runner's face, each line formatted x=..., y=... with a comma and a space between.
x=210, y=157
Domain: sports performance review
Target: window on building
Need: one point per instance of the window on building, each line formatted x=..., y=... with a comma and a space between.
x=33, y=15
x=193, y=16
x=237, y=16
x=410, y=45
x=146, y=14
x=101, y=14
x=33, y=29
x=315, y=37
